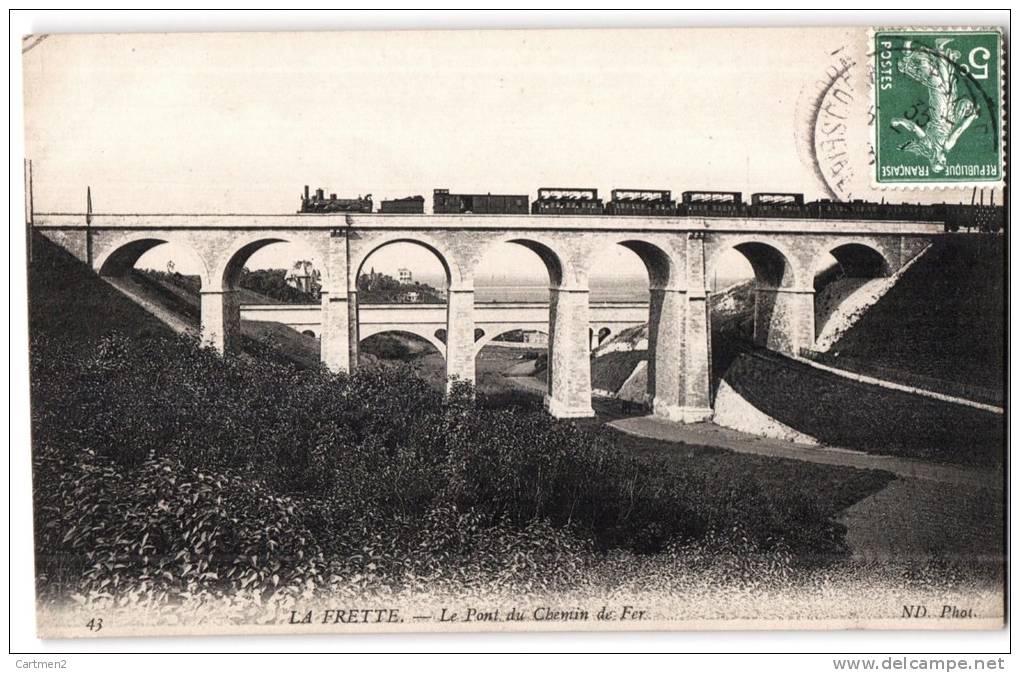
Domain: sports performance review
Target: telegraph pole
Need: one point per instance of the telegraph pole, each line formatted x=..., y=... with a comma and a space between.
x=88, y=224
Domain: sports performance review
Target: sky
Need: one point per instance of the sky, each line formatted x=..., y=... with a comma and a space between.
x=240, y=122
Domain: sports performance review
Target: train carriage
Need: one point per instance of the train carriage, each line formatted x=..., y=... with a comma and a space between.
x=777, y=204
x=567, y=201
x=412, y=205
x=653, y=202
x=484, y=204
x=716, y=204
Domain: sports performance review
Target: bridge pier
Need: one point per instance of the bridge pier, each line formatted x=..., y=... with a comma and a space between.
x=334, y=342
x=569, y=391
x=666, y=351
x=460, y=335
x=690, y=352
x=220, y=320
x=784, y=319
x=697, y=398
x=353, y=330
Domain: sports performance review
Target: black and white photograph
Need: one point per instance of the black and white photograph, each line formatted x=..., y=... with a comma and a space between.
x=516, y=330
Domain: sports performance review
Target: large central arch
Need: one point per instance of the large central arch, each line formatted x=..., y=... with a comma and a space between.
x=568, y=386
x=452, y=278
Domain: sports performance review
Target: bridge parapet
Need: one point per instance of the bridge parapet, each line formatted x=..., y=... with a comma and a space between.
x=501, y=223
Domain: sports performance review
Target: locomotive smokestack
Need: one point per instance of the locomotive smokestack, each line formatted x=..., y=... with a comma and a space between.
x=306, y=192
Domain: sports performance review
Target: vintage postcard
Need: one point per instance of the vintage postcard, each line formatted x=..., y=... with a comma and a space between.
x=526, y=330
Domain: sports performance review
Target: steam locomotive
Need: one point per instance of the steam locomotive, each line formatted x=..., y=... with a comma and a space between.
x=659, y=203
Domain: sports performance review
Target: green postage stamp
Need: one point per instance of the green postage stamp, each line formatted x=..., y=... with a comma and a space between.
x=938, y=106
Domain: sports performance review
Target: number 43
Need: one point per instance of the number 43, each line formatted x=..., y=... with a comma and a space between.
x=95, y=624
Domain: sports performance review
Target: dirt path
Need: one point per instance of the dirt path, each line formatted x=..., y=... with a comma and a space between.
x=714, y=435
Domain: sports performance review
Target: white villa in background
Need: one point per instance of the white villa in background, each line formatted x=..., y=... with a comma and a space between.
x=405, y=276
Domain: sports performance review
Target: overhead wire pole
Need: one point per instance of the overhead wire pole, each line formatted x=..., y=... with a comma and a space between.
x=88, y=224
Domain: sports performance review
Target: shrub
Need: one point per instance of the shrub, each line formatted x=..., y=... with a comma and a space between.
x=165, y=471
x=169, y=532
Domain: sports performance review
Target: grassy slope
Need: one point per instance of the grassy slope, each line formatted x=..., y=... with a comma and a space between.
x=843, y=486
x=853, y=415
x=67, y=299
x=186, y=288
x=69, y=302
x=183, y=300
x=612, y=370
x=940, y=328
x=943, y=319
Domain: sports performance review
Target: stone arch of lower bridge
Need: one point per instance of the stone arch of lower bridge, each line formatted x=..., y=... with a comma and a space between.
x=491, y=333
x=424, y=332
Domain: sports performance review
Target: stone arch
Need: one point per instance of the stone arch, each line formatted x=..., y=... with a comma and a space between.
x=846, y=287
x=859, y=259
x=120, y=257
x=421, y=333
x=664, y=319
x=772, y=262
x=497, y=332
x=230, y=266
x=662, y=271
x=546, y=250
x=454, y=273
x=568, y=384
x=783, y=303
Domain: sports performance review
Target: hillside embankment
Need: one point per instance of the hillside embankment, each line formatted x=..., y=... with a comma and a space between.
x=942, y=323
x=939, y=328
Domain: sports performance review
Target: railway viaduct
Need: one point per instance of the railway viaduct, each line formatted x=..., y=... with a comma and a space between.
x=679, y=253
x=428, y=321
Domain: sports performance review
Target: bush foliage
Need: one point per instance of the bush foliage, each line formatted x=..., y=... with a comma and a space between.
x=163, y=467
